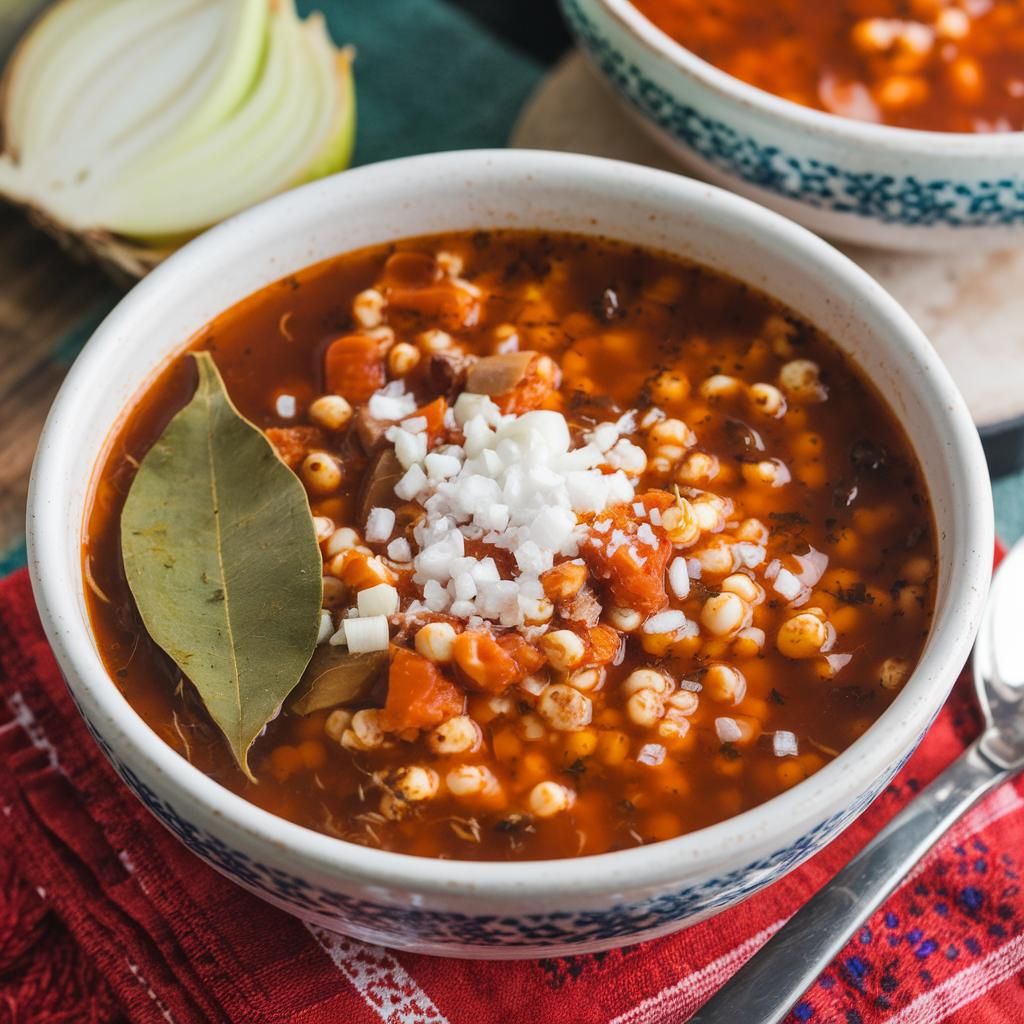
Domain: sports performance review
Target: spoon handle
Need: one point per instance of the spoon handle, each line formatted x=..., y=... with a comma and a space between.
x=775, y=977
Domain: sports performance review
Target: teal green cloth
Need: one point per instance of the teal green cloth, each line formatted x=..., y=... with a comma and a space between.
x=428, y=77
x=1009, y=499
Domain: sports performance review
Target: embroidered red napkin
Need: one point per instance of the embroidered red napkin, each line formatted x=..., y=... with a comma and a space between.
x=105, y=917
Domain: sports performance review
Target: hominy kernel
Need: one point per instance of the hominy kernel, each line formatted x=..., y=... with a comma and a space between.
x=403, y=359
x=967, y=79
x=893, y=673
x=670, y=432
x=743, y=586
x=802, y=636
x=767, y=472
x=580, y=744
x=897, y=92
x=565, y=709
x=414, y=783
x=366, y=726
x=547, y=799
x=434, y=341
x=451, y=263
x=341, y=540
x=645, y=708
x=698, y=468
x=626, y=620
x=331, y=412
x=672, y=727
x=684, y=702
x=320, y=473
x=749, y=642
x=324, y=527
x=564, y=649
x=952, y=23
x=708, y=517
x=458, y=735
x=531, y=727
x=753, y=531
x=670, y=387
x=716, y=559
x=564, y=581
x=368, y=308
x=917, y=570
x=724, y=614
x=724, y=684
x=470, y=780
x=911, y=600
x=337, y=722
x=680, y=523
x=646, y=679
x=436, y=642
x=767, y=399
x=800, y=379
x=587, y=679
x=720, y=385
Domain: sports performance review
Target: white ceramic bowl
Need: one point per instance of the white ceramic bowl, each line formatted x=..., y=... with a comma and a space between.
x=871, y=184
x=503, y=909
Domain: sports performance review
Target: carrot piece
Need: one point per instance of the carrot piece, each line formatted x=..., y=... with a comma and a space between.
x=354, y=367
x=433, y=413
x=450, y=306
x=604, y=645
x=419, y=696
x=484, y=663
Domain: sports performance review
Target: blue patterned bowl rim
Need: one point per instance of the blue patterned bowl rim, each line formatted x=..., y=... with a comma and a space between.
x=897, y=141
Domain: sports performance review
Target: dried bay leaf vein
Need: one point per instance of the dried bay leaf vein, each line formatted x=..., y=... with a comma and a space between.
x=244, y=539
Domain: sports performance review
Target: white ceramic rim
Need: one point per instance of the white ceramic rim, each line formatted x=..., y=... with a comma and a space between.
x=888, y=137
x=831, y=789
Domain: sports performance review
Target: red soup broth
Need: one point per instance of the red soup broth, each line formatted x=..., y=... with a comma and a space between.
x=723, y=628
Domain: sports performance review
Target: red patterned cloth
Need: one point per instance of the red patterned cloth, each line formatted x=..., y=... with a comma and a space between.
x=105, y=917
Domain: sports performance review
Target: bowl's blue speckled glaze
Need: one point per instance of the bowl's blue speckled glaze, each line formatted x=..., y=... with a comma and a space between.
x=863, y=183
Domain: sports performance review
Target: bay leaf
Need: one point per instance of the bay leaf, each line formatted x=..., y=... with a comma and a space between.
x=379, y=482
x=335, y=677
x=221, y=555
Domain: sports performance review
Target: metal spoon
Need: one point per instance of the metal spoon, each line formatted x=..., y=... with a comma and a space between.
x=764, y=989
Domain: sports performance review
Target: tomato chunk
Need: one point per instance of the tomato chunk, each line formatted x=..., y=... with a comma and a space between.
x=539, y=381
x=433, y=413
x=633, y=567
x=485, y=663
x=354, y=368
x=528, y=658
x=419, y=696
x=293, y=444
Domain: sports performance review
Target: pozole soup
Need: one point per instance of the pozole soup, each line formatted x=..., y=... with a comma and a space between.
x=509, y=545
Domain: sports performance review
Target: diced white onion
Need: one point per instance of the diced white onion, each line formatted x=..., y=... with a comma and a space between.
x=727, y=730
x=379, y=600
x=364, y=636
x=379, y=525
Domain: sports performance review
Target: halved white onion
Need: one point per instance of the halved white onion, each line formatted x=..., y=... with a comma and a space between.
x=130, y=126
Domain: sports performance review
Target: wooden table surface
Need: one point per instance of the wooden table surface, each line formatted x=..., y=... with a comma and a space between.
x=48, y=304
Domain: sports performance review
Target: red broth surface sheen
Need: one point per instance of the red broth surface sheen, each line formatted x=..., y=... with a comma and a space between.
x=627, y=329
x=937, y=65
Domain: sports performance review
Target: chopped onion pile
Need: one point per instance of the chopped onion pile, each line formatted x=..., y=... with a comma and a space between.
x=132, y=125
